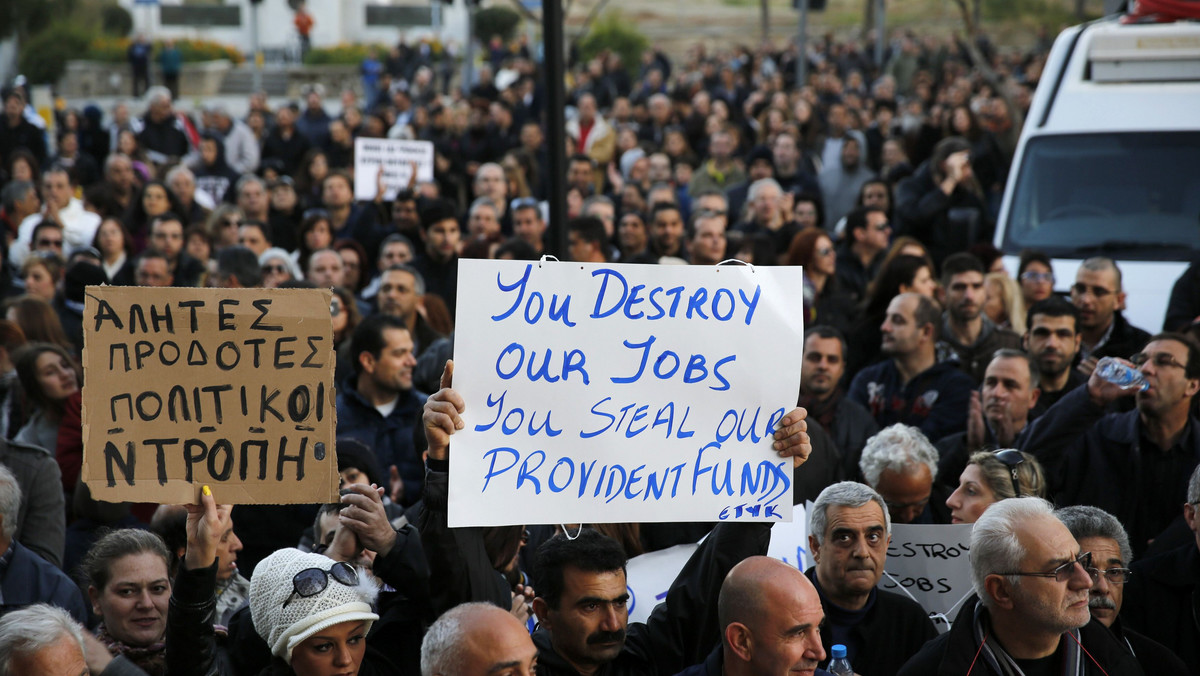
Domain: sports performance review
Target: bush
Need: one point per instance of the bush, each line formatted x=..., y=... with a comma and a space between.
x=493, y=21
x=612, y=32
x=343, y=54
x=116, y=20
x=44, y=57
x=115, y=50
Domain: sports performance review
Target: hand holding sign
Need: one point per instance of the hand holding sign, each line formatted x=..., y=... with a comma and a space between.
x=206, y=524
x=443, y=415
x=791, y=437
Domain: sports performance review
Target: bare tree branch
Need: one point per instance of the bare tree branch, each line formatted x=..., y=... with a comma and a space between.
x=591, y=18
x=524, y=11
x=985, y=68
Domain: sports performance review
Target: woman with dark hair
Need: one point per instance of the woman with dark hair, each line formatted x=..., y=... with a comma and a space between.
x=902, y=274
x=824, y=301
x=942, y=204
x=314, y=167
x=153, y=200
x=38, y=321
x=988, y=161
x=115, y=245
x=344, y=310
x=355, y=263
x=316, y=233
x=49, y=376
x=22, y=166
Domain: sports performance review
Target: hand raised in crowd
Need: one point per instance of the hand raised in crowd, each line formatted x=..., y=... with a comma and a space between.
x=976, y=428
x=206, y=523
x=791, y=437
x=522, y=603
x=615, y=179
x=395, y=485
x=363, y=514
x=443, y=415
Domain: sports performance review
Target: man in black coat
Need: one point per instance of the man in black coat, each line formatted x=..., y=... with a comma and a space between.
x=1098, y=294
x=1163, y=596
x=849, y=531
x=1030, y=614
x=823, y=394
x=1100, y=533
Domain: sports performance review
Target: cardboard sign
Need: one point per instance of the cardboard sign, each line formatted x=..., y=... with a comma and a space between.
x=229, y=388
x=623, y=393
x=396, y=158
x=931, y=564
x=649, y=576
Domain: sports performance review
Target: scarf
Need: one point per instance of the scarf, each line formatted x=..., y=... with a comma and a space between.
x=822, y=411
x=1000, y=662
x=152, y=659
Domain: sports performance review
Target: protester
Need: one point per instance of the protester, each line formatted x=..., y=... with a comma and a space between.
x=992, y=476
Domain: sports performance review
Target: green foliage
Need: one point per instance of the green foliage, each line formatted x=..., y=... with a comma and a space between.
x=116, y=50
x=343, y=54
x=26, y=18
x=44, y=57
x=1049, y=12
x=613, y=33
x=116, y=20
x=496, y=20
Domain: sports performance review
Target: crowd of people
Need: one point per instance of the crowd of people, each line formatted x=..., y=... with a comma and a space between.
x=938, y=387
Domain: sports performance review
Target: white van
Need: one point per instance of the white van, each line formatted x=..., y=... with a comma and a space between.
x=1108, y=163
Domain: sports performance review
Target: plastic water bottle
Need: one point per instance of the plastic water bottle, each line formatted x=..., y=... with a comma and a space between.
x=1121, y=375
x=839, y=665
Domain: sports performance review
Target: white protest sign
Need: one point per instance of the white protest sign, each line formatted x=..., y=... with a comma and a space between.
x=623, y=393
x=649, y=576
x=932, y=564
x=396, y=158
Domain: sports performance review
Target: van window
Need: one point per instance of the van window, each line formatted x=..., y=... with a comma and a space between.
x=1132, y=196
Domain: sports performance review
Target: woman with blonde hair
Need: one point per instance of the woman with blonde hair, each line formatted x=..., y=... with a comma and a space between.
x=992, y=476
x=1005, y=305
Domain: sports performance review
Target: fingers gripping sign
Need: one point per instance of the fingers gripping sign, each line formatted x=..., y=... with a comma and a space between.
x=443, y=415
x=791, y=437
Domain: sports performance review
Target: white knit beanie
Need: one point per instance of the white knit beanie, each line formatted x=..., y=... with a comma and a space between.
x=285, y=628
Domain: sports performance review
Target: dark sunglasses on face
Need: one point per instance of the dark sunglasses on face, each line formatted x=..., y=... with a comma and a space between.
x=273, y=269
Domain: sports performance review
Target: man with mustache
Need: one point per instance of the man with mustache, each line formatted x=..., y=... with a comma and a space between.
x=849, y=531
x=1030, y=613
x=763, y=599
x=1100, y=533
x=1052, y=340
x=969, y=333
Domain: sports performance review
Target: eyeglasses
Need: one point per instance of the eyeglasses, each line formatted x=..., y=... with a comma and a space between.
x=313, y=581
x=825, y=251
x=1097, y=291
x=273, y=269
x=883, y=226
x=335, y=307
x=1160, y=359
x=1031, y=276
x=1113, y=575
x=314, y=213
x=1063, y=572
x=230, y=222
x=1012, y=459
x=56, y=243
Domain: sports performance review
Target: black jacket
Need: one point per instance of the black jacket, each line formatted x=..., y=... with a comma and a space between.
x=952, y=653
x=1162, y=601
x=1125, y=340
x=1154, y=657
x=892, y=631
x=944, y=223
x=1093, y=458
x=683, y=630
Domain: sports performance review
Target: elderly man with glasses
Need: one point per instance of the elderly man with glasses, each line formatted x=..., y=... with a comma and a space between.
x=1100, y=533
x=1133, y=465
x=1030, y=610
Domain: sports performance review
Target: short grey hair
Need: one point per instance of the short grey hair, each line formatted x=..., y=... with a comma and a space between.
x=158, y=93
x=899, y=448
x=1193, y=492
x=246, y=180
x=30, y=630
x=484, y=201
x=995, y=547
x=843, y=494
x=10, y=501
x=1085, y=521
x=177, y=170
x=418, y=278
x=757, y=186
x=442, y=647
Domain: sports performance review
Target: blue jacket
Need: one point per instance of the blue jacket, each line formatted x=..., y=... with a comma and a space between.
x=391, y=438
x=29, y=579
x=935, y=400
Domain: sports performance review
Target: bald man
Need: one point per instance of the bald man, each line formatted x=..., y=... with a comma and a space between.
x=770, y=617
x=477, y=638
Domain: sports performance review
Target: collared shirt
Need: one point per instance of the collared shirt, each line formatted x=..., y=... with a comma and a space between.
x=1086, y=351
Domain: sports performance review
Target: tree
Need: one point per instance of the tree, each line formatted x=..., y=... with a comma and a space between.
x=22, y=19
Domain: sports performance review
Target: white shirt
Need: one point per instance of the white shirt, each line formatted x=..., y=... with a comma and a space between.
x=79, y=229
